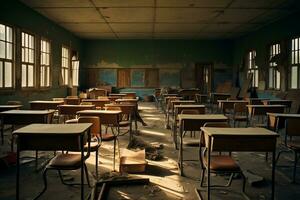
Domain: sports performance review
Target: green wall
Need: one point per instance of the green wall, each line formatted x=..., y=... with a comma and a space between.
x=21, y=17
x=155, y=53
x=280, y=31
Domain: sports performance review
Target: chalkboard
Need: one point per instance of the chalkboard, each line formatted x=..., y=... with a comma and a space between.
x=169, y=77
x=137, y=78
x=108, y=76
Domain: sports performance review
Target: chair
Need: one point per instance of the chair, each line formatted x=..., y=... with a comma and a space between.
x=110, y=121
x=95, y=133
x=292, y=131
x=240, y=113
x=62, y=162
x=219, y=164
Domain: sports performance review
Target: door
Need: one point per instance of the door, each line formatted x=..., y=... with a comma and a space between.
x=204, y=77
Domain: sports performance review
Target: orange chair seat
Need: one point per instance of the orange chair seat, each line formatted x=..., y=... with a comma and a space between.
x=108, y=137
x=66, y=161
x=222, y=163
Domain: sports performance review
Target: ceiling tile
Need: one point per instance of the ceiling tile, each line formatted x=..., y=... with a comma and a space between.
x=174, y=35
x=179, y=15
x=72, y=14
x=210, y=35
x=134, y=35
x=57, y=3
x=220, y=27
x=270, y=16
x=96, y=35
x=124, y=3
x=87, y=27
x=261, y=4
x=181, y=28
x=132, y=27
x=128, y=14
x=239, y=15
x=193, y=3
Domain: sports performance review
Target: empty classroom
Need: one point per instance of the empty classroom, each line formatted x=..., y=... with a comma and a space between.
x=150, y=99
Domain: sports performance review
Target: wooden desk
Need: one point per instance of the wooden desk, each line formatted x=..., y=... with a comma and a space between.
x=9, y=107
x=256, y=101
x=99, y=103
x=24, y=117
x=167, y=106
x=193, y=123
x=45, y=105
x=52, y=137
x=71, y=110
x=178, y=109
x=278, y=119
x=240, y=139
x=171, y=105
x=228, y=104
x=287, y=103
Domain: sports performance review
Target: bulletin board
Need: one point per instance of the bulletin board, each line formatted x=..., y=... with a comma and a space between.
x=108, y=76
x=137, y=78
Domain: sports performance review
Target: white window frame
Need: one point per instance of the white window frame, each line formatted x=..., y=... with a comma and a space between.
x=65, y=65
x=295, y=64
x=7, y=61
x=75, y=71
x=274, y=74
x=28, y=54
x=45, y=63
x=253, y=68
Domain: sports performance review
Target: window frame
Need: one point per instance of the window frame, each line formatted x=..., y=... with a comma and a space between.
x=273, y=66
x=252, y=67
x=72, y=69
x=49, y=66
x=291, y=64
x=12, y=60
x=34, y=64
x=64, y=68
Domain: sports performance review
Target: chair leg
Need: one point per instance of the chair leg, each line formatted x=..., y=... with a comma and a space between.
x=45, y=184
x=202, y=178
x=97, y=160
x=114, y=161
x=87, y=175
x=295, y=166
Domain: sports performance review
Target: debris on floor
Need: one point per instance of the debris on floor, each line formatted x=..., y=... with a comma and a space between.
x=132, y=161
x=153, y=150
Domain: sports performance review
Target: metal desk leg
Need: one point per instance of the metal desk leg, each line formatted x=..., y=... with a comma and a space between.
x=208, y=168
x=180, y=159
x=273, y=175
x=18, y=175
x=82, y=166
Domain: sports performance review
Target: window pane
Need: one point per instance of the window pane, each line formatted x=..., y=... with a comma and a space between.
x=2, y=49
x=277, y=80
x=2, y=32
x=271, y=75
x=9, y=34
x=24, y=76
x=8, y=74
x=48, y=76
x=294, y=79
x=256, y=78
x=8, y=50
x=30, y=76
x=1, y=74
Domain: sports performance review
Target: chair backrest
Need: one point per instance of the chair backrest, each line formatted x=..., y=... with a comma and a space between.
x=292, y=127
x=240, y=107
x=95, y=128
x=72, y=101
x=190, y=111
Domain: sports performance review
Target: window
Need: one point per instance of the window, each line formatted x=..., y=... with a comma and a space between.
x=65, y=65
x=274, y=74
x=6, y=57
x=295, y=64
x=252, y=67
x=28, y=58
x=75, y=71
x=45, y=64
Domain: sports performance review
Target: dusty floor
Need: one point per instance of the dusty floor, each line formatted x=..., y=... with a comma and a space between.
x=165, y=181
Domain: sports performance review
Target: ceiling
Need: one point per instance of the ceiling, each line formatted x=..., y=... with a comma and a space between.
x=159, y=19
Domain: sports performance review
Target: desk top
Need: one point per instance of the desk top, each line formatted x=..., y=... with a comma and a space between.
x=27, y=112
x=119, y=105
x=182, y=101
x=189, y=106
x=97, y=112
x=77, y=106
x=220, y=93
x=2, y=107
x=257, y=132
x=165, y=95
x=33, y=129
x=202, y=117
x=46, y=102
x=95, y=100
x=265, y=106
x=232, y=101
x=287, y=115
x=277, y=100
x=124, y=100
x=113, y=94
x=256, y=99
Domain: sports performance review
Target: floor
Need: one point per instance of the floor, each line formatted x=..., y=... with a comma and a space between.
x=163, y=174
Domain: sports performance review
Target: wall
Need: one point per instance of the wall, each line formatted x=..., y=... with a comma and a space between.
x=280, y=31
x=16, y=14
x=161, y=54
